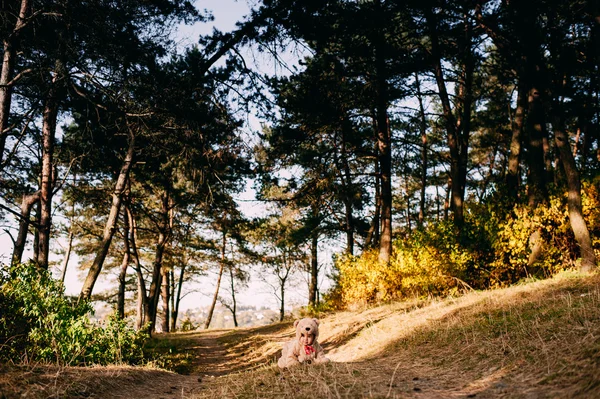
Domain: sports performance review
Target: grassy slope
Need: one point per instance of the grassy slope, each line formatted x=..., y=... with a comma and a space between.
x=536, y=340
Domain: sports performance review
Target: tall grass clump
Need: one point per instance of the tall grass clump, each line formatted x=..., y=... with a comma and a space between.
x=490, y=250
x=38, y=323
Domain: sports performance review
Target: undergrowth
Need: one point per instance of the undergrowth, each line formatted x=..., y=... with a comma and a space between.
x=38, y=323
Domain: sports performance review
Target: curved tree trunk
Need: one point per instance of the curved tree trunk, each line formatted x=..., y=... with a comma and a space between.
x=29, y=200
x=111, y=223
x=578, y=224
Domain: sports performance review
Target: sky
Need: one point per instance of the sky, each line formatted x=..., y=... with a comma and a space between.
x=226, y=13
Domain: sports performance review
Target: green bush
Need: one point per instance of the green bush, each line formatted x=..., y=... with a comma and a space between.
x=38, y=323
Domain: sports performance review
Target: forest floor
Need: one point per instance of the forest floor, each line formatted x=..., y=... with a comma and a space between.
x=535, y=340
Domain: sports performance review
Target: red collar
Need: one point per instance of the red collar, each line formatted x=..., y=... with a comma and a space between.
x=308, y=349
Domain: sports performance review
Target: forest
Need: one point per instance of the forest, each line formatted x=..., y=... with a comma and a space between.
x=438, y=146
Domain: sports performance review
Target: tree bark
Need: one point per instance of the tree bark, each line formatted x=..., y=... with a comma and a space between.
x=372, y=238
x=49, y=118
x=314, y=271
x=177, y=299
x=142, y=299
x=111, y=223
x=65, y=263
x=164, y=294
x=514, y=156
x=536, y=124
x=6, y=75
x=123, y=270
x=157, y=264
x=233, y=298
x=218, y=286
x=346, y=178
x=458, y=130
x=536, y=183
x=578, y=224
x=282, y=301
x=423, y=131
x=29, y=200
x=385, y=162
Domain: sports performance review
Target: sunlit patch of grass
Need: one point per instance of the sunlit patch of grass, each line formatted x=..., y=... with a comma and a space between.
x=535, y=338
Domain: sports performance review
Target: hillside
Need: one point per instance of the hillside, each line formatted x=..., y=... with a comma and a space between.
x=535, y=340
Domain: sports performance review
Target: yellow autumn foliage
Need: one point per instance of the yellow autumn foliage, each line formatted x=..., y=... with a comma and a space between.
x=491, y=250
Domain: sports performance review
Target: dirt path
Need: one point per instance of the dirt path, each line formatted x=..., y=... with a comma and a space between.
x=210, y=359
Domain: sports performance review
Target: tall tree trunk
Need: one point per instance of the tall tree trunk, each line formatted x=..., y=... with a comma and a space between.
x=458, y=130
x=218, y=285
x=175, y=312
x=424, y=165
x=157, y=264
x=346, y=178
x=123, y=270
x=314, y=270
x=111, y=223
x=384, y=144
x=282, y=302
x=166, y=278
x=28, y=201
x=172, y=324
x=536, y=183
x=578, y=224
x=372, y=238
x=233, y=298
x=536, y=123
x=49, y=118
x=10, y=43
x=36, y=232
x=164, y=294
x=142, y=298
x=408, y=205
x=514, y=156
x=67, y=257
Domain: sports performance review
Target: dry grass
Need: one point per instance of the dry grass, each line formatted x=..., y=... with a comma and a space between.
x=536, y=340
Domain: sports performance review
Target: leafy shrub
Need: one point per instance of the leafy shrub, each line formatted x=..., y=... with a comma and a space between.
x=491, y=249
x=38, y=323
x=428, y=262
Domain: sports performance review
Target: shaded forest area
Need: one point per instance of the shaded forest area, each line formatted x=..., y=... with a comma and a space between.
x=442, y=145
